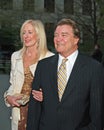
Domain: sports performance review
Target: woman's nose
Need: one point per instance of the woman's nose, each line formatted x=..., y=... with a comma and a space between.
x=26, y=35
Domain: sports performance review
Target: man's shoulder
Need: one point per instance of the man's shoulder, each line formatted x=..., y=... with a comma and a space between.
x=48, y=59
x=88, y=60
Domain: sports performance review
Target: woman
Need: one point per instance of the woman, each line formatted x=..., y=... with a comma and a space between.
x=23, y=65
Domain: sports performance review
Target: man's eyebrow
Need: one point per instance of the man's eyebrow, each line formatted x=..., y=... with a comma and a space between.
x=62, y=33
x=65, y=33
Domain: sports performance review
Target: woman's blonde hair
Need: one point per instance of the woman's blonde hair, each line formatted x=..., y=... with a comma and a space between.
x=40, y=31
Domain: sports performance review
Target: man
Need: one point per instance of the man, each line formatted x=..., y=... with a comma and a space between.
x=97, y=53
x=80, y=105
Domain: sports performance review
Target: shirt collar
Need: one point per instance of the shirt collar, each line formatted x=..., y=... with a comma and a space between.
x=70, y=58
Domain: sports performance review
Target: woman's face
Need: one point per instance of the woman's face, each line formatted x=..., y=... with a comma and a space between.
x=29, y=35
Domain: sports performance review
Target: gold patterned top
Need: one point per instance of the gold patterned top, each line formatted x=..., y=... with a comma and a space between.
x=26, y=89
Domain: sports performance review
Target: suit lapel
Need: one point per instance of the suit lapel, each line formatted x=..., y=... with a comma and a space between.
x=53, y=75
x=19, y=65
x=19, y=62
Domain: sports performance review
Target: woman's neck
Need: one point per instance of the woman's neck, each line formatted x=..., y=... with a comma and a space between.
x=31, y=51
x=30, y=56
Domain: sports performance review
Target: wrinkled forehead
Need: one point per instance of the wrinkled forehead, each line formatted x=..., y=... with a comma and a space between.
x=63, y=29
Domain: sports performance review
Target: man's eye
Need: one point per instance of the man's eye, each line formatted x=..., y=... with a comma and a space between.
x=55, y=35
x=64, y=35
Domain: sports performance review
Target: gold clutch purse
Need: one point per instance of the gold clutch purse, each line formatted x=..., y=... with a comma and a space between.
x=24, y=99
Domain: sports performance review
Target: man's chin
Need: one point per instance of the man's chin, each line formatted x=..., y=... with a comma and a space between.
x=60, y=51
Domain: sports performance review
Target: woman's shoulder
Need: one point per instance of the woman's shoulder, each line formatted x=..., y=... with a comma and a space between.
x=49, y=53
x=17, y=54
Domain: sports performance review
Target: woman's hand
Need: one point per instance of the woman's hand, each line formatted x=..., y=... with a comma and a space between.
x=38, y=95
x=12, y=100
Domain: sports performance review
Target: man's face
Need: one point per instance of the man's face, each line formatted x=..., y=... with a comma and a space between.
x=64, y=40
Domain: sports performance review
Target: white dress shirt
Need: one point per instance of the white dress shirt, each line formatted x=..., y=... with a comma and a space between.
x=69, y=63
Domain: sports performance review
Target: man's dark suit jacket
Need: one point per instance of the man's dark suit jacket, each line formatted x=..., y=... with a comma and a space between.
x=82, y=103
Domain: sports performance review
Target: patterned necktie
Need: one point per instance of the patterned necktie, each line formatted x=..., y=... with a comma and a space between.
x=62, y=78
